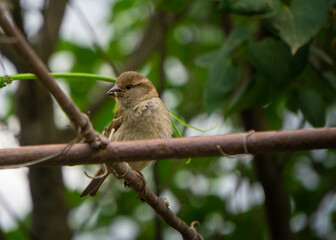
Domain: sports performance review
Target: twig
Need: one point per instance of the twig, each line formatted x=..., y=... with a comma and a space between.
x=94, y=39
x=14, y=216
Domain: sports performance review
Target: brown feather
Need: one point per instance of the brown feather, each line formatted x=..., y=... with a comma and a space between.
x=95, y=184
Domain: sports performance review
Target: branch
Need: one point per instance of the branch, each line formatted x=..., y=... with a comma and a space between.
x=176, y=148
x=94, y=38
x=37, y=66
x=83, y=124
x=154, y=33
x=46, y=39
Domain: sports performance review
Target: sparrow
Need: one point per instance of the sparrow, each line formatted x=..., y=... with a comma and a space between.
x=141, y=115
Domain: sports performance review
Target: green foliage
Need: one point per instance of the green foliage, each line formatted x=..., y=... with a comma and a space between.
x=223, y=73
x=272, y=58
x=298, y=23
x=248, y=6
x=172, y=6
x=312, y=107
x=4, y=81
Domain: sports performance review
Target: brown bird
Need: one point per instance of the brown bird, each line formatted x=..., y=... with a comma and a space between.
x=141, y=115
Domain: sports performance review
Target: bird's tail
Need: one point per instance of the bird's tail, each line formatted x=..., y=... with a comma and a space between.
x=96, y=182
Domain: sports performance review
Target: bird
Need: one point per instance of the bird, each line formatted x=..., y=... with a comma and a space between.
x=141, y=115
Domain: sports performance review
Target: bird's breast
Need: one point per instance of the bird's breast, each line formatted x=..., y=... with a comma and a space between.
x=147, y=120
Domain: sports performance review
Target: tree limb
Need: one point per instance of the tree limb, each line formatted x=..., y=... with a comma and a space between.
x=230, y=144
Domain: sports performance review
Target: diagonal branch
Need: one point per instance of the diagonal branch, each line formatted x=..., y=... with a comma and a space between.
x=80, y=121
x=83, y=124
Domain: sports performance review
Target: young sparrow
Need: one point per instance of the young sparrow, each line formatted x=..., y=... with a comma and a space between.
x=142, y=115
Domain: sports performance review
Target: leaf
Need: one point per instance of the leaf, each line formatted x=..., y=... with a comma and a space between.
x=319, y=82
x=223, y=78
x=123, y=5
x=253, y=93
x=248, y=6
x=331, y=78
x=172, y=5
x=298, y=23
x=223, y=73
x=238, y=36
x=311, y=106
x=273, y=59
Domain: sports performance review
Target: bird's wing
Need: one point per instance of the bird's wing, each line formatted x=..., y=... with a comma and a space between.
x=115, y=124
x=95, y=184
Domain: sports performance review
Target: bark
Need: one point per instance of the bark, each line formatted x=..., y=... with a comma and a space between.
x=176, y=148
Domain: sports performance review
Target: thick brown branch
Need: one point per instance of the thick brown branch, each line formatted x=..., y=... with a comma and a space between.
x=232, y=144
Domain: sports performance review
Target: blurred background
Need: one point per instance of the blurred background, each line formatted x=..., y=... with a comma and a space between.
x=240, y=65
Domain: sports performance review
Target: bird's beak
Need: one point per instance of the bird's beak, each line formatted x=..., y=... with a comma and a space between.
x=115, y=91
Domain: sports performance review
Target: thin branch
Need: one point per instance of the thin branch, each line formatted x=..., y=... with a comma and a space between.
x=46, y=39
x=83, y=124
x=160, y=207
x=154, y=34
x=80, y=120
x=8, y=208
x=176, y=148
x=94, y=38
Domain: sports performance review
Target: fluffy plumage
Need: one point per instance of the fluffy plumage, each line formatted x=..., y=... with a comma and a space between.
x=142, y=115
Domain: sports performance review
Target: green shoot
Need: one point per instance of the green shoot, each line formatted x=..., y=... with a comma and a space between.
x=5, y=80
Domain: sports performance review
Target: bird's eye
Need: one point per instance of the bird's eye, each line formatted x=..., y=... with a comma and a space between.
x=129, y=86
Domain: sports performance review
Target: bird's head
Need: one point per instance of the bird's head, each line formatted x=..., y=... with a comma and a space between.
x=131, y=88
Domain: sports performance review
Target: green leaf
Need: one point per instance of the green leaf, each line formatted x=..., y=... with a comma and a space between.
x=172, y=5
x=248, y=6
x=311, y=106
x=319, y=82
x=331, y=78
x=223, y=73
x=298, y=23
x=123, y=5
x=273, y=59
x=253, y=93
x=237, y=37
x=223, y=77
